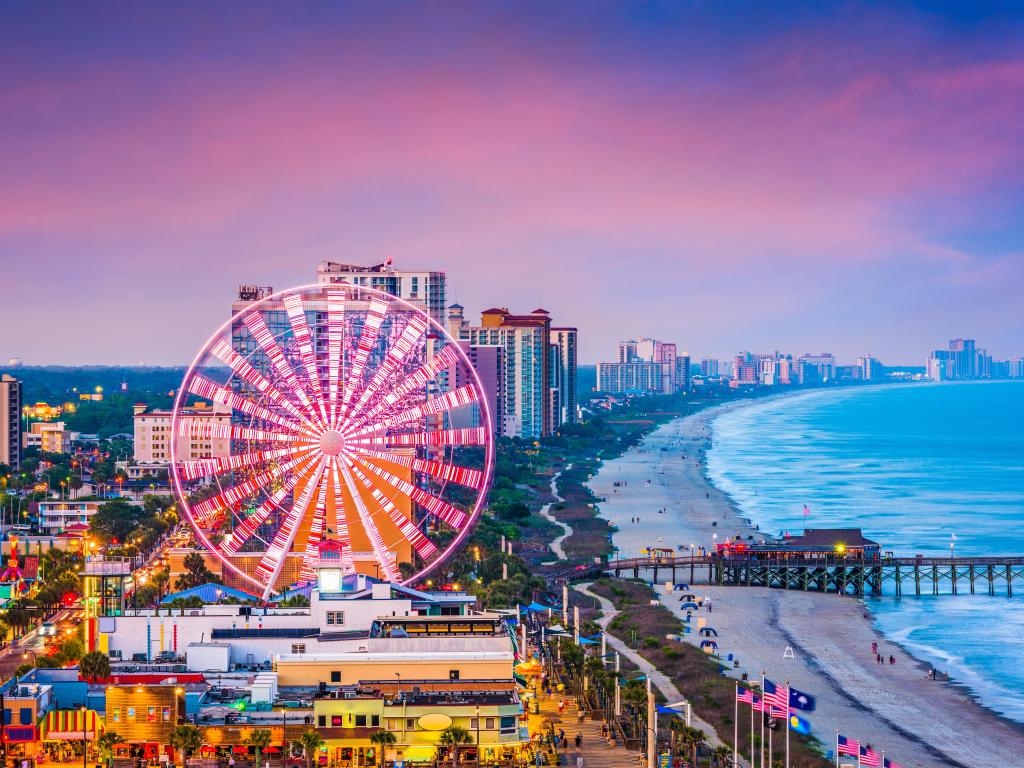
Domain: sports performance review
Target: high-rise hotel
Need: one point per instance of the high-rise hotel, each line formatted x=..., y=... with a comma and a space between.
x=10, y=422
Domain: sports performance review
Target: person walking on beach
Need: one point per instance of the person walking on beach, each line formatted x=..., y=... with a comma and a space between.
x=874, y=648
x=579, y=741
x=579, y=761
x=892, y=659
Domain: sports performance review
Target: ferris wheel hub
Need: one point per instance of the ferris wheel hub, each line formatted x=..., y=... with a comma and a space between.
x=332, y=442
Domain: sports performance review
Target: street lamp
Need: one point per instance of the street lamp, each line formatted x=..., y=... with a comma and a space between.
x=952, y=545
x=25, y=654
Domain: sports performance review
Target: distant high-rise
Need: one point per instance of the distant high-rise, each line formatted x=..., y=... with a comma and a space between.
x=527, y=406
x=642, y=353
x=422, y=288
x=812, y=369
x=964, y=357
x=565, y=342
x=870, y=368
x=709, y=367
x=10, y=422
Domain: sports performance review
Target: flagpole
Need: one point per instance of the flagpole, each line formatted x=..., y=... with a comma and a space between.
x=751, y=729
x=735, y=726
x=837, y=748
x=762, y=720
x=882, y=764
x=789, y=697
x=770, y=763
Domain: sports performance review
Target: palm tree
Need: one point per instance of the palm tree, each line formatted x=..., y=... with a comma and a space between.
x=693, y=738
x=106, y=743
x=258, y=740
x=382, y=739
x=311, y=741
x=186, y=739
x=94, y=665
x=455, y=736
x=723, y=756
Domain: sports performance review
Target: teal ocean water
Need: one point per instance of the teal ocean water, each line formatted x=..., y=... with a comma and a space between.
x=917, y=467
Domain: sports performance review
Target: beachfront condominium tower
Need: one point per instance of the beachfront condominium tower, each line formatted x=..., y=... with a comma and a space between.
x=564, y=341
x=10, y=422
x=526, y=409
x=424, y=289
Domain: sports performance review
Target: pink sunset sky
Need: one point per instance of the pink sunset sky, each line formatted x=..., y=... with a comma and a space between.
x=828, y=176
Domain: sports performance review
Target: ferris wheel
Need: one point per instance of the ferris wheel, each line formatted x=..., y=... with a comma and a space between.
x=331, y=417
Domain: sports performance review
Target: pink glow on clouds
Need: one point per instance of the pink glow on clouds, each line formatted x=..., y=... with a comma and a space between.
x=811, y=165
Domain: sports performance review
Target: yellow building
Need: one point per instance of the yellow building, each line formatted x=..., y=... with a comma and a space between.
x=347, y=719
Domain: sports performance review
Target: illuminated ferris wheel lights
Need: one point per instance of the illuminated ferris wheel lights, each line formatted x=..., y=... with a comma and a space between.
x=346, y=428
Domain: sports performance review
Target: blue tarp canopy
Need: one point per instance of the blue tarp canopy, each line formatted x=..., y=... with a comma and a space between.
x=668, y=711
x=689, y=605
x=537, y=607
x=587, y=641
x=210, y=593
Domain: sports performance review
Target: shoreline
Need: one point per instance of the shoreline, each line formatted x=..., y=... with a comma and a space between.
x=917, y=721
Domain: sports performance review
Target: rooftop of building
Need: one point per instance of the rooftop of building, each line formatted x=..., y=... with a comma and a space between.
x=831, y=537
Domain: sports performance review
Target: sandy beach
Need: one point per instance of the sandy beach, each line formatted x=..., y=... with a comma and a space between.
x=894, y=707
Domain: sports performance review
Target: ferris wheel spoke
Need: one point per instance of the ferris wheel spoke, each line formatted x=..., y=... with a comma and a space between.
x=200, y=386
x=438, y=437
x=202, y=429
x=375, y=314
x=397, y=354
x=449, y=401
x=444, y=511
x=191, y=470
x=384, y=557
x=470, y=478
x=300, y=328
x=335, y=337
x=250, y=375
x=418, y=379
x=204, y=510
x=316, y=530
x=340, y=520
x=244, y=531
x=424, y=547
x=273, y=559
x=261, y=333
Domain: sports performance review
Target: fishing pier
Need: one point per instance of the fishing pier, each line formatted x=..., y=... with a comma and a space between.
x=839, y=561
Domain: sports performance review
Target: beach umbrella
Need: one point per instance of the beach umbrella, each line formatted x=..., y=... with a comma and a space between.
x=241, y=750
x=271, y=751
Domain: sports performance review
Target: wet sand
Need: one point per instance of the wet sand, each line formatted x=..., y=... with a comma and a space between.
x=917, y=721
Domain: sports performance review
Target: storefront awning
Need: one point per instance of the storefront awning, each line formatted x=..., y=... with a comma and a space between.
x=71, y=724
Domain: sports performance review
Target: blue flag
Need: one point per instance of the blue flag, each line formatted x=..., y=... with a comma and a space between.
x=800, y=700
x=798, y=725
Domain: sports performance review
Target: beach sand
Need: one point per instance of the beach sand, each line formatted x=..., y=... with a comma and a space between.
x=918, y=722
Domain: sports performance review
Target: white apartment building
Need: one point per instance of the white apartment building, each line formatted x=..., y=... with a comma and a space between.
x=57, y=516
x=153, y=435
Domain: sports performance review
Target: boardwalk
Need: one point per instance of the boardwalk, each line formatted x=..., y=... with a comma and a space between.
x=595, y=748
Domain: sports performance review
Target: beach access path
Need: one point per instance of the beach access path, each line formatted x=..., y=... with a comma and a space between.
x=658, y=679
x=920, y=723
x=545, y=512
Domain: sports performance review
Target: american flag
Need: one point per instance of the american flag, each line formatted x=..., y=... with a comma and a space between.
x=845, y=746
x=869, y=757
x=887, y=763
x=758, y=704
x=778, y=712
x=744, y=696
x=776, y=696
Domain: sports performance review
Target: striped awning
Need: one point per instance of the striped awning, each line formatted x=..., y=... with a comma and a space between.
x=71, y=724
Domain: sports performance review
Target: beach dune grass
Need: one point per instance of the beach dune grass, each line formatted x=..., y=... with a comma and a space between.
x=694, y=673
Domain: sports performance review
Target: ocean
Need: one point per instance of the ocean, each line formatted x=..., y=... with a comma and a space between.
x=918, y=467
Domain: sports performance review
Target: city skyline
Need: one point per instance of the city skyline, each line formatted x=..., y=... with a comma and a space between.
x=843, y=180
